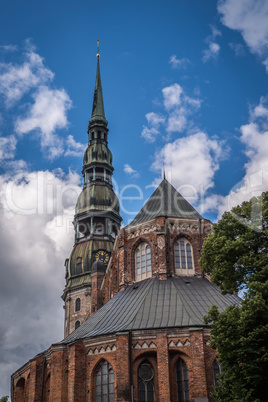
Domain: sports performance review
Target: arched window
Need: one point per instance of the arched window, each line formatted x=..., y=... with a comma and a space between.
x=182, y=379
x=146, y=382
x=79, y=265
x=184, y=264
x=77, y=324
x=143, y=262
x=216, y=372
x=77, y=304
x=104, y=383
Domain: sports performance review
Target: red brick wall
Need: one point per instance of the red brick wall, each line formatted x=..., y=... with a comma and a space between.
x=72, y=368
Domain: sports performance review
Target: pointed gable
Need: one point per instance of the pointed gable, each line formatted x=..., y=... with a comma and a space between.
x=168, y=202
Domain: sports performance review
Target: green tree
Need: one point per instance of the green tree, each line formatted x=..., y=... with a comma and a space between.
x=236, y=257
x=4, y=399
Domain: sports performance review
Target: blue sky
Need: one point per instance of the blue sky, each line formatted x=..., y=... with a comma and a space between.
x=184, y=83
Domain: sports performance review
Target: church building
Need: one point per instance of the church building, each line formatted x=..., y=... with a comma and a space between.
x=134, y=298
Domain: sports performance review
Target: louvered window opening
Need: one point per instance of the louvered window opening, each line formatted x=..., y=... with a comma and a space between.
x=183, y=257
x=143, y=262
x=79, y=265
x=182, y=378
x=104, y=383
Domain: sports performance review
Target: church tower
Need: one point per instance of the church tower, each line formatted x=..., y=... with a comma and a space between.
x=96, y=222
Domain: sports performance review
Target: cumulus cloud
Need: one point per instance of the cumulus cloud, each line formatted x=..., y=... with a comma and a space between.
x=213, y=49
x=178, y=63
x=36, y=235
x=18, y=79
x=190, y=162
x=254, y=137
x=45, y=115
x=74, y=148
x=249, y=17
x=130, y=171
x=7, y=147
x=154, y=121
x=178, y=107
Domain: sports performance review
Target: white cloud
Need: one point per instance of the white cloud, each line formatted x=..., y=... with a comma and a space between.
x=178, y=63
x=74, y=148
x=213, y=47
x=18, y=79
x=9, y=48
x=212, y=51
x=179, y=107
x=36, y=236
x=248, y=17
x=129, y=170
x=172, y=96
x=190, y=162
x=154, y=120
x=45, y=115
x=7, y=147
x=254, y=136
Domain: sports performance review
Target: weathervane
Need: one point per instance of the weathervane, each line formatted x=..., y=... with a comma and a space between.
x=164, y=173
x=98, y=44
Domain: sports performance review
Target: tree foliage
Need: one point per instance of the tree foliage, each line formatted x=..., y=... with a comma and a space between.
x=4, y=399
x=236, y=257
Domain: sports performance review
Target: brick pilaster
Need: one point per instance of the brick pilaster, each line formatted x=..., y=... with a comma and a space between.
x=163, y=368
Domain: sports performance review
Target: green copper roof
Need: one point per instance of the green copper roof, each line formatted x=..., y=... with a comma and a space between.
x=168, y=202
x=152, y=304
x=98, y=106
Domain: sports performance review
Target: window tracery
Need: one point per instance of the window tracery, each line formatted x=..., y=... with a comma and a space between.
x=146, y=382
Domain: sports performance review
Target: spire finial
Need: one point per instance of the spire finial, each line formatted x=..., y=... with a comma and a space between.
x=98, y=44
x=164, y=173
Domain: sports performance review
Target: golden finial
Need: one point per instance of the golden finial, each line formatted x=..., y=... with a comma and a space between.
x=98, y=44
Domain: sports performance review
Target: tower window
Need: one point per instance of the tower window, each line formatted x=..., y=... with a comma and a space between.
x=182, y=380
x=77, y=304
x=104, y=383
x=183, y=257
x=77, y=324
x=79, y=265
x=143, y=262
x=146, y=382
x=216, y=372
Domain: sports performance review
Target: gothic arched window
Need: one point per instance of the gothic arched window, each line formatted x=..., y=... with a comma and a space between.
x=216, y=372
x=77, y=324
x=182, y=380
x=184, y=264
x=104, y=383
x=78, y=304
x=146, y=382
x=143, y=262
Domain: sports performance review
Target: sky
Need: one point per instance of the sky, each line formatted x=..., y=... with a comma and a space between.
x=184, y=85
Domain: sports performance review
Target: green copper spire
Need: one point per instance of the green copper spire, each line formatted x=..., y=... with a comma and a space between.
x=98, y=107
x=98, y=114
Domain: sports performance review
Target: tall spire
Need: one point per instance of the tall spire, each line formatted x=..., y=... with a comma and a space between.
x=98, y=106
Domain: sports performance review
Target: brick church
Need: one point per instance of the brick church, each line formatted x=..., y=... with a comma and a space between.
x=134, y=298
